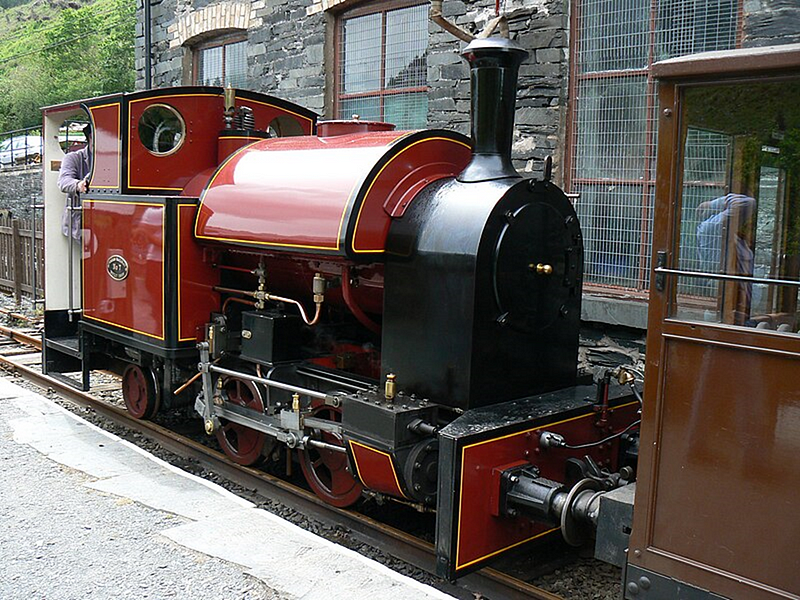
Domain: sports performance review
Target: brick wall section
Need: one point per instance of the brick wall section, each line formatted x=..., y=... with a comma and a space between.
x=19, y=188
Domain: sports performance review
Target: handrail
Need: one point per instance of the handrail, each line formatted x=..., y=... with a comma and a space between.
x=725, y=276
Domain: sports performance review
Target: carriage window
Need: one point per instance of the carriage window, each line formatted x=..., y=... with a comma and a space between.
x=740, y=215
x=161, y=129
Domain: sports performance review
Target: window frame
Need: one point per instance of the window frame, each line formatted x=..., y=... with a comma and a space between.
x=648, y=181
x=222, y=40
x=363, y=9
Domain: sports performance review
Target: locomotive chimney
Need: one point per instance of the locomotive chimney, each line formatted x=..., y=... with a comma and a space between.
x=494, y=66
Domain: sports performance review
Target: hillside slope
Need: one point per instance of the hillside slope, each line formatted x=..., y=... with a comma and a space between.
x=54, y=51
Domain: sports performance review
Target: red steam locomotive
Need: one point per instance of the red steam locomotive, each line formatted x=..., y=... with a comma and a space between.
x=398, y=311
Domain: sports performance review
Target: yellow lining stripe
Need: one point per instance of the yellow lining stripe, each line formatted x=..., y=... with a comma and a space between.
x=461, y=487
x=377, y=176
x=496, y=552
x=130, y=135
x=98, y=201
x=253, y=138
x=388, y=456
x=162, y=337
x=180, y=330
x=119, y=141
x=150, y=187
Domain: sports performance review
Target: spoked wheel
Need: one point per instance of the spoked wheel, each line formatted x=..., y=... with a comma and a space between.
x=241, y=444
x=140, y=392
x=326, y=470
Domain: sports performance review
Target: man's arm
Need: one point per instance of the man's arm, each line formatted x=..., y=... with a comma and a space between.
x=69, y=177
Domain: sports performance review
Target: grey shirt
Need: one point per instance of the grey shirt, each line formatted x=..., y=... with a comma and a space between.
x=74, y=168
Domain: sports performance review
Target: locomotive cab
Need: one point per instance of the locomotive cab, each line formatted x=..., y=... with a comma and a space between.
x=134, y=292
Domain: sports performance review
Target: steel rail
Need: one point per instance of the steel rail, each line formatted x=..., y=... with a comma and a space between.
x=21, y=337
x=398, y=544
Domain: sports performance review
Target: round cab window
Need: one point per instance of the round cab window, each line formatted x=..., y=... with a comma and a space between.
x=161, y=129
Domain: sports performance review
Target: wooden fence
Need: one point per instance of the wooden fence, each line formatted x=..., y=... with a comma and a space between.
x=18, y=250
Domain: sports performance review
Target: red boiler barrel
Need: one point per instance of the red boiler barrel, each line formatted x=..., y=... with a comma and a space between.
x=324, y=197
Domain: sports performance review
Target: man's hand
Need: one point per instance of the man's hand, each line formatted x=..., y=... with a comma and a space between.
x=83, y=186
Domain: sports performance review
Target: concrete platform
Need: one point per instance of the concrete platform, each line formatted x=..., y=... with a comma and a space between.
x=196, y=515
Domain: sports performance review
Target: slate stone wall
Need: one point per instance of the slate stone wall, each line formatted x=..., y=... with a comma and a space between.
x=542, y=29
x=771, y=22
x=20, y=187
x=290, y=55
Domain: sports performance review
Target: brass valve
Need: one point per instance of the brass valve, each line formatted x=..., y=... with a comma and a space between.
x=319, y=288
x=624, y=376
x=391, y=386
x=296, y=403
x=541, y=268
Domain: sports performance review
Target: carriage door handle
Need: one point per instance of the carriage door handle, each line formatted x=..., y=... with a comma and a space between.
x=661, y=262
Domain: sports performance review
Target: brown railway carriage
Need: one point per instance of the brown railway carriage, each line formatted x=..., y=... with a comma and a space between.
x=718, y=488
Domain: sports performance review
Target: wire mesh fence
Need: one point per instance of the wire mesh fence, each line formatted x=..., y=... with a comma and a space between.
x=614, y=123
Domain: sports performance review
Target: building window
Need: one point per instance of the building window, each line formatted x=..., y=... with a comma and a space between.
x=221, y=62
x=613, y=120
x=383, y=64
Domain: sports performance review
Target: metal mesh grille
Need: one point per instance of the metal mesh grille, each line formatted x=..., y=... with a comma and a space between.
x=614, y=125
x=383, y=67
x=223, y=65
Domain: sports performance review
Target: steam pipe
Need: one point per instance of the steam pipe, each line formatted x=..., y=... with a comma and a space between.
x=438, y=18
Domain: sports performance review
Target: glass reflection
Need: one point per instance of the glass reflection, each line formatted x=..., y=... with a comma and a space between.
x=740, y=206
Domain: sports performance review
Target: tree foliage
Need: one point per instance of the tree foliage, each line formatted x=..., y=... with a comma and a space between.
x=83, y=52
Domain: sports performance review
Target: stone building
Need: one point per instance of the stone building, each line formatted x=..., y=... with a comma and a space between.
x=585, y=97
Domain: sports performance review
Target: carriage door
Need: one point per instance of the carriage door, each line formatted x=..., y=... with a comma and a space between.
x=718, y=496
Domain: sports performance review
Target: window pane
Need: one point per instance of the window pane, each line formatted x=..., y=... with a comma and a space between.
x=407, y=47
x=209, y=70
x=701, y=25
x=407, y=111
x=740, y=212
x=236, y=64
x=614, y=35
x=611, y=142
x=361, y=62
x=617, y=233
x=367, y=109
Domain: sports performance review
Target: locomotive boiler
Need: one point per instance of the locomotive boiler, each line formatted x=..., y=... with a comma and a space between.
x=397, y=311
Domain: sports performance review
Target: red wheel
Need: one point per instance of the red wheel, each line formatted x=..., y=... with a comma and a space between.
x=140, y=392
x=326, y=470
x=242, y=445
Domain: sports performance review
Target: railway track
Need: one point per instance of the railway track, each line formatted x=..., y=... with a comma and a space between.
x=419, y=553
